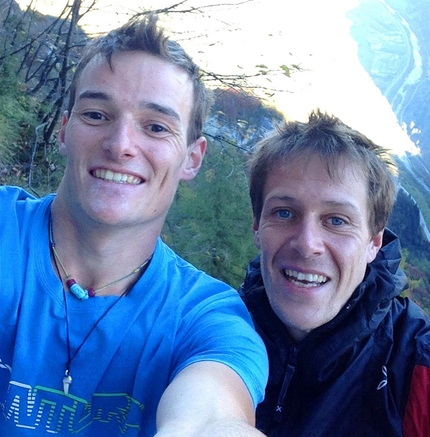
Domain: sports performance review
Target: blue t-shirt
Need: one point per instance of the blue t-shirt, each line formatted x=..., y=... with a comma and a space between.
x=175, y=315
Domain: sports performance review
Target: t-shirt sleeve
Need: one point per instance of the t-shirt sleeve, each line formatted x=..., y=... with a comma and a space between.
x=216, y=326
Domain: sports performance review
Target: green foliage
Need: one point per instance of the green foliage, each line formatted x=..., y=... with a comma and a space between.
x=417, y=270
x=405, y=222
x=23, y=161
x=286, y=70
x=404, y=218
x=421, y=197
x=210, y=221
x=17, y=122
x=31, y=94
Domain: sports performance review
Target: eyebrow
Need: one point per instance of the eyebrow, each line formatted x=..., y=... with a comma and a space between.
x=166, y=110
x=334, y=203
x=100, y=95
x=94, y=95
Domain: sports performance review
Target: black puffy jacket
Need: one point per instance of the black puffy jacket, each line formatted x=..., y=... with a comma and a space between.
x=364, y=373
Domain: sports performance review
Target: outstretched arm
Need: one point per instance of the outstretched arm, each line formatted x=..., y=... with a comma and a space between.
x=206, y=399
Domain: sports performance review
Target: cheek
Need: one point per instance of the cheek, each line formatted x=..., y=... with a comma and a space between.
x=354, y=266
x=269, y=253
x=165, y=157
x=266, y=275
x=273, y=240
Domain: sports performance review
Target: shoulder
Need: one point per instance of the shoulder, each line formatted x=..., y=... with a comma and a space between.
x=214, y=322
x=183, y=276
x=11, y=200
x=407, y=312
x=23, y=210
x=192, y=292
x=13, y=194
x=412, y=328
x=16, y=197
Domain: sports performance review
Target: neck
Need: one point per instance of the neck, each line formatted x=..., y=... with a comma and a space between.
x=95, y=254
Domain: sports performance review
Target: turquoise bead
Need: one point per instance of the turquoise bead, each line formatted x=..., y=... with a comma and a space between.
x=77, y=290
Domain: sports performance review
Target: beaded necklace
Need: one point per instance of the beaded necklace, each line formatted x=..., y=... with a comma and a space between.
x=78, y=291
x=83, y=294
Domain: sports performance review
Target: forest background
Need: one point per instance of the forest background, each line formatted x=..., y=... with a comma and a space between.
x=210, y=221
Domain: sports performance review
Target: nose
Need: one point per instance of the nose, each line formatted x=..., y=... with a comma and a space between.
x=308, y=240
x=121, y=142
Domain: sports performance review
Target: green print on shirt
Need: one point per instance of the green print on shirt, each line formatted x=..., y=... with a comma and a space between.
x=52, y=409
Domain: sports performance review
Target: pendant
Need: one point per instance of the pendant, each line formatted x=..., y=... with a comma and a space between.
x=76, y=289
x=67, y=381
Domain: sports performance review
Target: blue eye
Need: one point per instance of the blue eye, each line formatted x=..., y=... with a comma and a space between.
x=336, y=221
x=283, y=213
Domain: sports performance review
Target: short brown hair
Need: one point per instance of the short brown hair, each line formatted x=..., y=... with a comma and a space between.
x=144, y=35
x=330, y=138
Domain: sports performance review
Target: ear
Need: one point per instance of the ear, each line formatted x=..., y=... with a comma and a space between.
x=62, y=134
x=195, y=154
x=374, y=246
x=256, y=233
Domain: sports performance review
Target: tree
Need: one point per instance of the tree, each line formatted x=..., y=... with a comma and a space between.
x=17, y=117
x=43, y=50
x=210, y=221
x=418, y=283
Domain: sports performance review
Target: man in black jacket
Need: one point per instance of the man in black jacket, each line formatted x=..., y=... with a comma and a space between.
x=348, y=356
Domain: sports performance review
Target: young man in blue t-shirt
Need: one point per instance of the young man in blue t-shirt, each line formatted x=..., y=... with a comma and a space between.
x=104, y=330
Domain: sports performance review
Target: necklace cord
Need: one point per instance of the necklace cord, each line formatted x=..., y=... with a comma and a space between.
x=57, y=261
x=68, y=277
x=69, y=359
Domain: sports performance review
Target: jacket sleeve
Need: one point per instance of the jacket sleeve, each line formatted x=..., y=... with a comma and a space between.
x=416, y=421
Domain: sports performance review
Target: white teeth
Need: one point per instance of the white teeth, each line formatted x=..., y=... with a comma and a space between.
x=305, y=279
x=119, y=178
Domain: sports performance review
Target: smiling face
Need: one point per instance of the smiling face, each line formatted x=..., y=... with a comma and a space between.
x=125, y=140
x=314, y=240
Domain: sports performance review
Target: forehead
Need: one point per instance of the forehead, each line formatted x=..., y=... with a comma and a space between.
x=136, y=62
x=309, y=178
x=137, y=76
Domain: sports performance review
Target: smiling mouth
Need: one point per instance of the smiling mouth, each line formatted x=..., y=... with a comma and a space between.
x=305, y=279
x=119, y=178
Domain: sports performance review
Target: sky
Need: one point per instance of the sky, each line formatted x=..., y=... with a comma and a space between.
x=235, y=36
